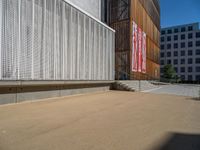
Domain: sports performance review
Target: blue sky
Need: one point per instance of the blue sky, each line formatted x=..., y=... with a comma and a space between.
x=177, y=12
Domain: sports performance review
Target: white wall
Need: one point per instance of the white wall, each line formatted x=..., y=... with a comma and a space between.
x=93, y=7
x=49, y=40
x=0, y=31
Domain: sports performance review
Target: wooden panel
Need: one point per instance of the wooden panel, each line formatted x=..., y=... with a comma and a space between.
x=122, y=65
x=122, y=35
x=120, y=14
x=140, y=13
x=153, y=9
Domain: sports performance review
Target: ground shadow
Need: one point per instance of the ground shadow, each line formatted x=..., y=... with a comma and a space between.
x=177, y=141
x=194, y=99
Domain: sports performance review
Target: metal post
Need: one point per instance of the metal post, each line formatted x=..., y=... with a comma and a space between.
x=139, y=83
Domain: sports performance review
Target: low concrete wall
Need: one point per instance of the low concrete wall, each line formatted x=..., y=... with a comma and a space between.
x=19, y=91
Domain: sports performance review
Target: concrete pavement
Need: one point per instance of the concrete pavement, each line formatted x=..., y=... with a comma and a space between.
x=178, y=89
x=103, y=121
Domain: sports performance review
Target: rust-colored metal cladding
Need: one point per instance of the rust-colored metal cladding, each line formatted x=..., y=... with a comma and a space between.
x=146, y=16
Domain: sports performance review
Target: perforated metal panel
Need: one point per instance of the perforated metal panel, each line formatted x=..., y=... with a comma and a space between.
x=52, y=40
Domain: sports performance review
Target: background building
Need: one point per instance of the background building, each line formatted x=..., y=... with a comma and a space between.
x=54, y=40
x=145, y=14
x=105, y=11
x=93, y=7
x=180, y=46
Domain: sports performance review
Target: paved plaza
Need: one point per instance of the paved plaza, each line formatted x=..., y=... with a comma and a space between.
x=178, y=89
x=102, y=121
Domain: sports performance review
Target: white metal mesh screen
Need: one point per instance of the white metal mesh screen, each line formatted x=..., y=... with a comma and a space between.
x=51, y=40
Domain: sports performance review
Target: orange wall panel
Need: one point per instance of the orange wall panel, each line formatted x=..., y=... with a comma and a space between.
x=141, y=17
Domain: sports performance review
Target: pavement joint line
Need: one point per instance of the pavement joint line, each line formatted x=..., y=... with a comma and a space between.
x=146, y=91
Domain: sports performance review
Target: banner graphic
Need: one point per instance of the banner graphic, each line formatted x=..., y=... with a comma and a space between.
x=135, y=48
x=144, y=51
x=138, y=49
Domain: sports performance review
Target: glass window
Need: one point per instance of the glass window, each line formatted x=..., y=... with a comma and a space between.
x=190, y=69
x=190, y=61
x=182, y=69
x=190, y=52
x=197, y=61
x=176, y=69
x=161, y=70
x=198, y=69
x=175, y=37
x=169, y=38
x=198, y=35
x=169, y=31
x=162, y=62
x=182, y=53
x=183, y=37
x=168, y=54
x=162, y=54
x=190, y=44
x=190, y=28
x=176, y=30
x=175, y=61
x=197, y=77
x=168, y=46
x=163, y=32
x=162, y=47
x=175, y=45
x=198, y=52
x=190, y=36
x=175, y=53
x=183, y=77
x=182, y=61
x=197, y=43
x=169, y=61
x=162, y=39
x=183, y=29
x=190, y=78
x=182, y=45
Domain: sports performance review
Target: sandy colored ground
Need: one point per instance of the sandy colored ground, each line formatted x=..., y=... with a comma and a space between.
x=102, y=121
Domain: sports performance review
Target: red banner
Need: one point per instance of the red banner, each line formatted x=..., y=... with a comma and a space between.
x=138, y=49
x=135, y=48
x=144, y=51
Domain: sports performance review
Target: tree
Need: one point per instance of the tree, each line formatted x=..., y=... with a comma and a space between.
x=169, y=72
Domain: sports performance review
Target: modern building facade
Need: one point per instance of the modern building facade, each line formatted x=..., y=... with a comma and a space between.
x=92, y=7
x=55, y=40
x=137, y=47
x=180, y=47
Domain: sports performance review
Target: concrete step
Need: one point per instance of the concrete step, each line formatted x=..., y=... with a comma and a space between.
x=135, y=85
